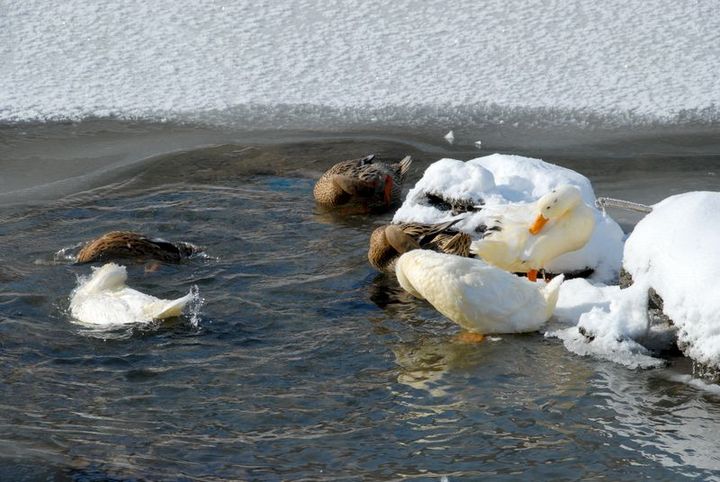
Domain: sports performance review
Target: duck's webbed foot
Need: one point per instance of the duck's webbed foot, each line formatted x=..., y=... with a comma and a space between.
x=469, y=337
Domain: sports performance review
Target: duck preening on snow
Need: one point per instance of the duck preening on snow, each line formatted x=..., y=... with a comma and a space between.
x=524, y=238
x=372, y=184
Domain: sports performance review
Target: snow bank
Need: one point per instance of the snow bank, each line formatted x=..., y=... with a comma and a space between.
x=674, y=249
x=499, y=182
x=309, y=63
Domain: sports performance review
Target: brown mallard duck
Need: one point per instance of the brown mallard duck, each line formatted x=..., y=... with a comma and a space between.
x=128, y=245
x=388, y=242
x=373, y=184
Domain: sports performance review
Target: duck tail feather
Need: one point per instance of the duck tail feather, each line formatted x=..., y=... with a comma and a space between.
x=551, y=292
x=429, y=235
x=405, y=165
x=447, y=225
x=169, y=308
x=367, y=159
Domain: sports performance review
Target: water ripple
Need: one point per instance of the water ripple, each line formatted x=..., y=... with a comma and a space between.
x=302, y=363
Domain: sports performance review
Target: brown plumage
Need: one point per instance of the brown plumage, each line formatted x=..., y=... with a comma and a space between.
x=128, y=245
x=455, y=206
x=372, y=184
x=388, y=242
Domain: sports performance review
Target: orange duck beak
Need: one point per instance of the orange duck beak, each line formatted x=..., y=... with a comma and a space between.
x=540, y=221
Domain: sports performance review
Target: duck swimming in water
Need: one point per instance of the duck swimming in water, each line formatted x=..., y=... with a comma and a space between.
x=477, y=296
x=524, y=238
x=374, y=185
x=104, y=299
x=129, y=245
x=388, y=242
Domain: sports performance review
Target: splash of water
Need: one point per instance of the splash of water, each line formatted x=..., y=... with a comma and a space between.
x=195, y=306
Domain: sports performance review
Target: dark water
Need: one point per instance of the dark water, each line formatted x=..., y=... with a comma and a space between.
x=304, y=363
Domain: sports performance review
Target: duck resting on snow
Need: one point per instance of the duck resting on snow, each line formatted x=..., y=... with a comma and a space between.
x=372, y=184
x=481, y=298
x=388, y=242
x=524, y=238
x=129, y=245
x=105, y=300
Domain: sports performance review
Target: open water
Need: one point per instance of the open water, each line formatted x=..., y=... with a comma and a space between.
x=302, y=362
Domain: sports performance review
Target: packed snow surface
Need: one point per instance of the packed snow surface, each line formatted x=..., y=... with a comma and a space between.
x=500, y=182
x=310, y=62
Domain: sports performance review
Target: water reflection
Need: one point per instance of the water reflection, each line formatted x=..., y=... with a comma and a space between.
x=385, y=292
x=423, y=362
x=661, y=417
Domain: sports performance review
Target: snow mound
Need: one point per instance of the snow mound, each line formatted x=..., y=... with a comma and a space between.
x=674, y=250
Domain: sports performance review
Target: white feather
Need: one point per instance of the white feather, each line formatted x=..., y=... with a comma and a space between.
x=477, y=296
x=104, y=299
x=513, y=248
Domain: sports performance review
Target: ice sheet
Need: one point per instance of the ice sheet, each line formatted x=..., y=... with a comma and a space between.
x=309, y=63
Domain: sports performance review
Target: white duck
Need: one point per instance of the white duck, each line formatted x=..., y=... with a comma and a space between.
x=526, y=237
x=104, y=299
x=477, y=296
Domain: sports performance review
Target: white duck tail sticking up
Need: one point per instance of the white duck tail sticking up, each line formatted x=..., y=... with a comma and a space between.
x=526, y=238
x=477, y=296
x=104, y=299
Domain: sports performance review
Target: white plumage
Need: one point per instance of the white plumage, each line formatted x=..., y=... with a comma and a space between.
x=477, y=296
x=524, y=238
x=104, y=299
